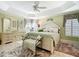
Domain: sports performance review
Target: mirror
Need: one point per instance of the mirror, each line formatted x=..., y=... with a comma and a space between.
x=6, y=25
x=13, y=25
x=21, y=24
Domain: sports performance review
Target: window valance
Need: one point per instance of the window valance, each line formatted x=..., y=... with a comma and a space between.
x=71, y=16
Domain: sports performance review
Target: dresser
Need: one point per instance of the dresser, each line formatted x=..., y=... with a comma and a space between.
x=6, y=38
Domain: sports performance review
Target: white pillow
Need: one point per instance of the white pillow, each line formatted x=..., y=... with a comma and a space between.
x=55, y=30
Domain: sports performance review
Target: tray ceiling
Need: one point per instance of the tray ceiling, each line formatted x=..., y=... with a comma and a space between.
x=25, y=8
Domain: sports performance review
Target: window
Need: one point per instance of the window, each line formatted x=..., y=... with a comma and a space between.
x=72, y=27
x=31, y=26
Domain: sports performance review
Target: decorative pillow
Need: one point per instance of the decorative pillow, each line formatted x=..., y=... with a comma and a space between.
x=54, y=30
x=32, y=37
x=38, y=37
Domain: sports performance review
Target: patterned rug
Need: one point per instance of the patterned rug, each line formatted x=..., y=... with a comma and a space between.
x=16, y=50
x=39, y=53
x=68, y=49
x=63, y=47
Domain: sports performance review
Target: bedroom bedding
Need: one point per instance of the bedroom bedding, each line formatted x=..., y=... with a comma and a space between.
x=48, y=41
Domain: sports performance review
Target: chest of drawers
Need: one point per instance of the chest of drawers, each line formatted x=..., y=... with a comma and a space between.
x=10, y=37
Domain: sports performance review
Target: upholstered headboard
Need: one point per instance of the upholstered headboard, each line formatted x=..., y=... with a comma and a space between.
x=50, y=27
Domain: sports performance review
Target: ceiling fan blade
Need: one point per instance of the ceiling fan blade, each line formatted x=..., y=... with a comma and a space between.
x=36, y=6
x=42, y=7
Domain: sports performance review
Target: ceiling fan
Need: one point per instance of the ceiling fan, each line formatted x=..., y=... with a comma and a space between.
x=36, y=6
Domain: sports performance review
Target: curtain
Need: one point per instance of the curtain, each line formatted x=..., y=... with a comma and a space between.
x=70, y=16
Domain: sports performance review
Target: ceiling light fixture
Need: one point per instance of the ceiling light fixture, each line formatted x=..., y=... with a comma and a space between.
x=36, y=6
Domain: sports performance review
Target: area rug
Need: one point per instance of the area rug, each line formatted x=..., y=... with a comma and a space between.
x=39, y=53
x=68, y=49
x=15, y=49
x=62, y=47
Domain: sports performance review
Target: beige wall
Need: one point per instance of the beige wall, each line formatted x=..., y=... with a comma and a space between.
x=59, y=20
x=0, y=26
x=1, y=16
